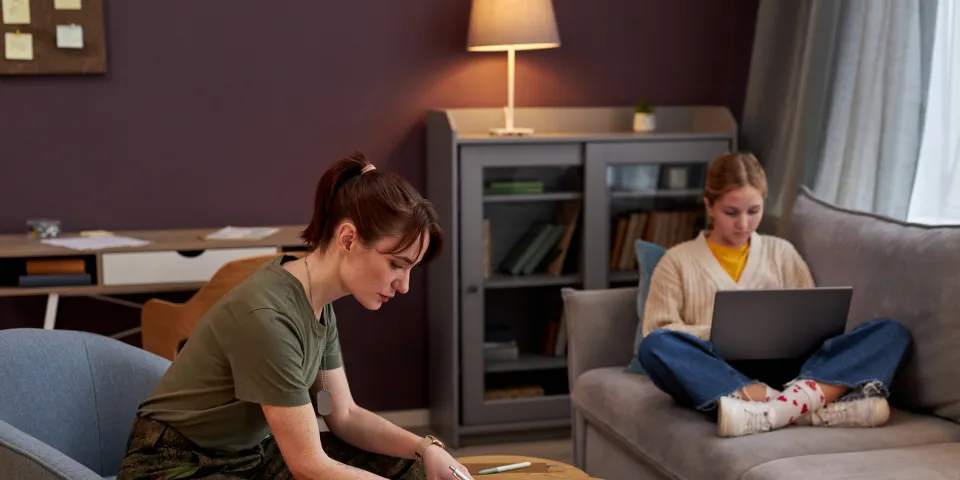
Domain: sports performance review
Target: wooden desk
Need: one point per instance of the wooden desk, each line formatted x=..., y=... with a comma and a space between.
x=175, y=260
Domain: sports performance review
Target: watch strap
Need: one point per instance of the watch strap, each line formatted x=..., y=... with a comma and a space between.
x=426, y=442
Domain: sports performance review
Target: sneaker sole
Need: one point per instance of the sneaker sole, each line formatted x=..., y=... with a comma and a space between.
x=879, y=411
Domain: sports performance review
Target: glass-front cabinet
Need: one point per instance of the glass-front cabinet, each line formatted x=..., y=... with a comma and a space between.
x=529, y=216
x=520, y=210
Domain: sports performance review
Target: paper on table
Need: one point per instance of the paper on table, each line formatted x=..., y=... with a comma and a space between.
x=95, y=243
x=241, y=233
x=16, y=12
x=19, y=46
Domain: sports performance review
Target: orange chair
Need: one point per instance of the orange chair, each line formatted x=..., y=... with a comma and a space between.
x=165, y=325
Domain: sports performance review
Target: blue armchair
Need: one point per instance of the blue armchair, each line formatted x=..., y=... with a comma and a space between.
x=67, y=402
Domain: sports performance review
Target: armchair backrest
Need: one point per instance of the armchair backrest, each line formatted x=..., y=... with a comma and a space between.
x=75, y=391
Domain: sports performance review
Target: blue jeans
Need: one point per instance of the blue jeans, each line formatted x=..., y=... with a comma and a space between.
x=691, y=371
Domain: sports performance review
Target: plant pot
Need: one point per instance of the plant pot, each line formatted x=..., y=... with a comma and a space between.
x=644, y=122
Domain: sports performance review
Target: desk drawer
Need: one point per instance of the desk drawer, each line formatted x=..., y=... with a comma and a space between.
x=138, y=268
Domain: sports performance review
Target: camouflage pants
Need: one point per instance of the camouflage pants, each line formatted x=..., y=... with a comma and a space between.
x=155, y=451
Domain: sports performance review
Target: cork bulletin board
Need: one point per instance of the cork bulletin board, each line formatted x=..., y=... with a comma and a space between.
x=52, y=37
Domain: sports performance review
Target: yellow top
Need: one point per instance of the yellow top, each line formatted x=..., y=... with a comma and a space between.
x=688, y=276
x=732, y=259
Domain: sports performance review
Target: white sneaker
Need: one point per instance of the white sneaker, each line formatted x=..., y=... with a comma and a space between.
x=738, y=417
x=863, y=412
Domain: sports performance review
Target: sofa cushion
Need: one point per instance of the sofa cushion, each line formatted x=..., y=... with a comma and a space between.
x=907, y=272
x=648, y=255
x=927, y=462
x=684, y=442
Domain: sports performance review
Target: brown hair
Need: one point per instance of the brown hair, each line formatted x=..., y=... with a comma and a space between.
x=731, y=171
x=378, y=203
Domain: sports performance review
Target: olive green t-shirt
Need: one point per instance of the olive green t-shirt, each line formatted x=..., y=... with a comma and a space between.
x=260, y=344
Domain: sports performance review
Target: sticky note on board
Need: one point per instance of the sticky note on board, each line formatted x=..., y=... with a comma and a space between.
x=16, y=12
x=19, y=46
x=66, y=4
x=69, y=36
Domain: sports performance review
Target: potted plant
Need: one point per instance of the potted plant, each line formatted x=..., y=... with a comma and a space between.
x=643, y=118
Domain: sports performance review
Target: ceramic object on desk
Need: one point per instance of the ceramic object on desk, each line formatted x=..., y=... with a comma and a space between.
x=42, y=228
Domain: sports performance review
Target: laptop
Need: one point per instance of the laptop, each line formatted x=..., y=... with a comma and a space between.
x=777, y=324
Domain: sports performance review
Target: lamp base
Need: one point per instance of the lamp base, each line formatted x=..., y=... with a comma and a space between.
x=511, y=132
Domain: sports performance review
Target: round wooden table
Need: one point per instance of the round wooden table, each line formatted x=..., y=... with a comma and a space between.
x=539, y=468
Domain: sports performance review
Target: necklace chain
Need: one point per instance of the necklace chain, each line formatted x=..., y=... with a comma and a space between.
x=323, y=343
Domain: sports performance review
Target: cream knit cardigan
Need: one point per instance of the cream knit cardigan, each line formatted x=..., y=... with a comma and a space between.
x=687, y=277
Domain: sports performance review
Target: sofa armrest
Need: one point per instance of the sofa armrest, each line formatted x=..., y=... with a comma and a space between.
x=601, y=327
x=22, y=456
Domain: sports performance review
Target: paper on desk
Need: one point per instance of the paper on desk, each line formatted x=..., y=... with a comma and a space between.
x=95, y=243
x=241, y=233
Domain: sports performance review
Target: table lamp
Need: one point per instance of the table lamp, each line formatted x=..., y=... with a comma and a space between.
x=511, y=25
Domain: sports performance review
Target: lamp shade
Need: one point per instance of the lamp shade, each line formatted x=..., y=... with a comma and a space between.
x=498, y=25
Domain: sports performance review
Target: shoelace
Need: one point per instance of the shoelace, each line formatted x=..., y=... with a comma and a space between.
x=872, y=389
x=757, y=421
x=838, y=411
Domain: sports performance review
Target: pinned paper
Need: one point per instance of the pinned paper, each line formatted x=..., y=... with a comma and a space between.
x=16, y=12
x=69, y=36
x=66, y=4
x=19, y=46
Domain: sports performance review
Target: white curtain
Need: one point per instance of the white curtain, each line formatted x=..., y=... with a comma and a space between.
x=936, y=190
x=835, y=101
x=869, y=154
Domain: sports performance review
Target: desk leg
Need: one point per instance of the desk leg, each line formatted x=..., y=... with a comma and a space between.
x=50, y=319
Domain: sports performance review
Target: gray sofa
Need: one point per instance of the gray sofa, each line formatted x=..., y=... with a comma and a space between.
x=625, y=428
x=67, y=402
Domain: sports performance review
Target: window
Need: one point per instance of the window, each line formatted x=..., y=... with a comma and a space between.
x=936, y=190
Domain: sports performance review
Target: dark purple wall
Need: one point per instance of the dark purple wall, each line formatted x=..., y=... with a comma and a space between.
x=223, y=112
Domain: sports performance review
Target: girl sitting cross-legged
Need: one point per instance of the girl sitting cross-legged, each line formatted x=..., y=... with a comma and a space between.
x=844, y=383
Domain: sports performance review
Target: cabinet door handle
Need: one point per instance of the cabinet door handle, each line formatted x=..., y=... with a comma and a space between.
x=472, y=289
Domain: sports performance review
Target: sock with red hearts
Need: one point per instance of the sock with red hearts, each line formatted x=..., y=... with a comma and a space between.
x=797, y=399
x=770, y=394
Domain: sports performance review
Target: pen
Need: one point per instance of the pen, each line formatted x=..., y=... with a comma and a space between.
x=505, y=468
x=457, y=474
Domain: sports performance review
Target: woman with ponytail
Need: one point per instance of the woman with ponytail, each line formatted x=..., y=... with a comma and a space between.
x=241, y=399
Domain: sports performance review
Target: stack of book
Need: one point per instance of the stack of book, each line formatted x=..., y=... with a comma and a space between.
x=500, y=344
x=55, y=272
x=501, y=351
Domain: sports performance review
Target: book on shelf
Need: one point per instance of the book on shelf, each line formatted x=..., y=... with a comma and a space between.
x=55, y=280
x=530, y=391
x=487, y=249
x=545, y=246
x=661, y=227
x=56, y=266
x=514, y=187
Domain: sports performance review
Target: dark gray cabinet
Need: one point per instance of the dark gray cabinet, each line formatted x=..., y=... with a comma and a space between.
x=527, y=216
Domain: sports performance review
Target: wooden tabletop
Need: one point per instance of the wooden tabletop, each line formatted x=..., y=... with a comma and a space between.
x=539, y=468
x=20, y=245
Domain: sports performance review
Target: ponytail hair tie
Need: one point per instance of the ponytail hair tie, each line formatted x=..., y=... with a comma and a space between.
x=367, y=169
